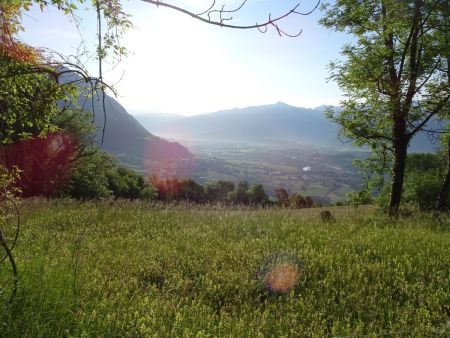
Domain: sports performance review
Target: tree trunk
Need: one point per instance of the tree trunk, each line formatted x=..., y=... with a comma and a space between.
x=398, y=173
x=443, y=194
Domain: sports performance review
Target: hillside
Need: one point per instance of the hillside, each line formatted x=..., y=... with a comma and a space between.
x=277, y=123
x=124, y=136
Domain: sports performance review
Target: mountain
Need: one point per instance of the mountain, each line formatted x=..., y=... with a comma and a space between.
x=127, y=139
x=124, y=136
x=260, y=124
x=151, y=120
x=269, y=124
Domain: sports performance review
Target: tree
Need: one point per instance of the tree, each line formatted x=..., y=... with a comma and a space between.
x=257, y=195
x=297, y=201
x=393, y=78
x=309, y=202
x=126, y=183
x=423, y=177
x=223, y=17
x=360, y=197
x=218, y=192
x=282, y=197
x=240, y=193
x=28, y=101
x=444, y=192
x=191, y=191
x=90, y=178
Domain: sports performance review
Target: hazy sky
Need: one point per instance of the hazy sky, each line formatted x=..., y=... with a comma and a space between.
x=181, y=65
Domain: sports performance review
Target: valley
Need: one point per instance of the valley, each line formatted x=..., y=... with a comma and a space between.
x=326, y=174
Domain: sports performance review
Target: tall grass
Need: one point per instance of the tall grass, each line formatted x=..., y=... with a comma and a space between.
x=127, y=269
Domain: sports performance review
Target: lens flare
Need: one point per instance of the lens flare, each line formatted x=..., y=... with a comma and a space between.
x=45, y=163
x=282, y=277
x=280, y=273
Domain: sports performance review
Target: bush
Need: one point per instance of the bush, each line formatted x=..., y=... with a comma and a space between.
x=90, y=177
x=361, y=197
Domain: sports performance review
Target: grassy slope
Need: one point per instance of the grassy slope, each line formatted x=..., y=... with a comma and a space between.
x=130, y=270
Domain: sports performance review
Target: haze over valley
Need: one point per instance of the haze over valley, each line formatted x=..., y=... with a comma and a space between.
x=276, y=145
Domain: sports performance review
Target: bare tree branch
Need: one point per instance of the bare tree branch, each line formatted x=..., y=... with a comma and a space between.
x=223, y=16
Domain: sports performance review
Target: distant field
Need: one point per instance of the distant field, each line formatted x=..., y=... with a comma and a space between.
x=124, y=269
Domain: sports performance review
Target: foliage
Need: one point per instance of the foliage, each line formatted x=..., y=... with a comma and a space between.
x=282, y=197
x=191, y=191
x=297, y=201
x=360, y=197
x=98, y=175
x=174, y=189
x=257, y=195
x=218, y=192
x=78, y=124
x=394, y=76
x=422, y=188
x=115, y=23
x=240, y=193
x=127, y=183
x=10, y=47
x=8, y=180
x=168, y=189
x=130, y=270
x=90, y=178
x=28, y=101
x=424, y=173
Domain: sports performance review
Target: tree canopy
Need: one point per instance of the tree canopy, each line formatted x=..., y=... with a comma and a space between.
x=394, y=76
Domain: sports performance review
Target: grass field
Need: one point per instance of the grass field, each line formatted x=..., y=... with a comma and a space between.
x=126, y=269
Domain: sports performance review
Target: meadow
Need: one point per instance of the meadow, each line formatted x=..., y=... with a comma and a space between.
x=132, y=269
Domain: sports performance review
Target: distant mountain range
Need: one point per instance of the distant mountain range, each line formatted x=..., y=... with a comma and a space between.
x=269, y=124
x=149, y=121
x=125, y=137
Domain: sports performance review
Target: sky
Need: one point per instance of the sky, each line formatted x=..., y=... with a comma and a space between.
x=183, y=66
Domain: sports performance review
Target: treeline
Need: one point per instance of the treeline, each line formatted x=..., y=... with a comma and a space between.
x=99, y=176
x=226, y=192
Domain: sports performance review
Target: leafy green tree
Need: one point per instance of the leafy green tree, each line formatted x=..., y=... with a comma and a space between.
x=442, y=201
x=28, y=101
x=218, y=192
x=257, y=195
x=126, y=183
x=78, y=124
x=422, y=188
x=191, y=191
x=360, y=197
x=393, y=77
x=240, y=193
x=423, y=176
x=148, y=193
x=309, y=202
x=90, y=178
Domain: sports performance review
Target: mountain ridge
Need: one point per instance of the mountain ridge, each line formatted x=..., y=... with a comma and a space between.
x=272, y=124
